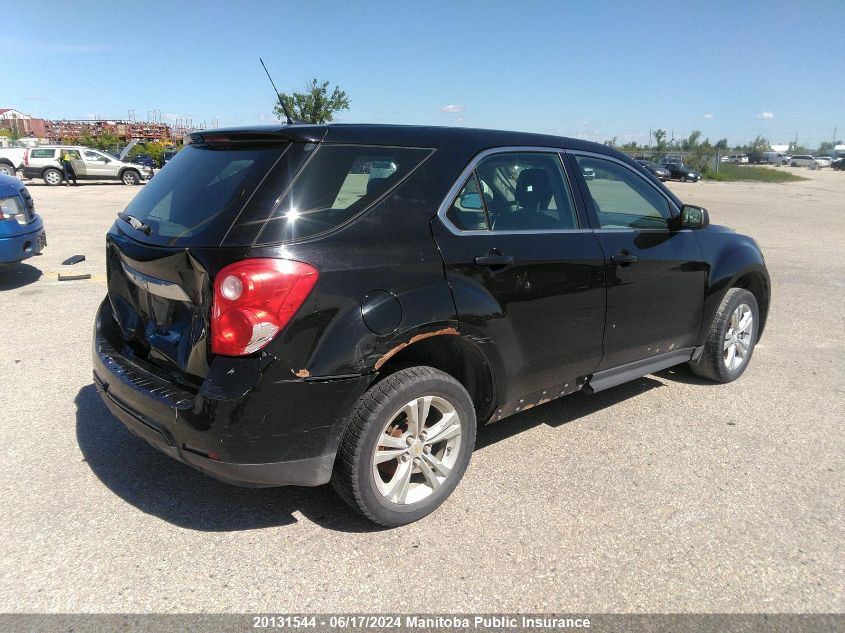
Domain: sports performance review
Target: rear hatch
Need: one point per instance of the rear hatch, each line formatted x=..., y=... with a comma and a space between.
x=202, y=212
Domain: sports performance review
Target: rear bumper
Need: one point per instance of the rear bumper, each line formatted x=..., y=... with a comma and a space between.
x=14, y=248
x=284, y=433
x=312, y=471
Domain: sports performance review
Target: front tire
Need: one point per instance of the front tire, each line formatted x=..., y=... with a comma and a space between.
x=52, y=177
x=7, y=170
x=406, y=446
x=731, y=339
x=131, y=177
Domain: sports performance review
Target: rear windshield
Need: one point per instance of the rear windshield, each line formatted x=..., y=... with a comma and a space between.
x=336, y=185
x=196, y=197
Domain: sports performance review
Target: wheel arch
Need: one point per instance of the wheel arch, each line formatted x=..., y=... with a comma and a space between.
x=457, y=356
x=753, y=278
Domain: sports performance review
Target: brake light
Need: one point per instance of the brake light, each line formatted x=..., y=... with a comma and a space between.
x=254, y=299
x=26, y=158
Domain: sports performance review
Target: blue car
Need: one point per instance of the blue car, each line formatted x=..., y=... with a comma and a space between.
x=21, y=229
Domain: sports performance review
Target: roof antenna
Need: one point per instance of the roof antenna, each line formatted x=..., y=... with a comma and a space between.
x=290, y=119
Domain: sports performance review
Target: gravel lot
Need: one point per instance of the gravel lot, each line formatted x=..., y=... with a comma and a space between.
x=663, y=495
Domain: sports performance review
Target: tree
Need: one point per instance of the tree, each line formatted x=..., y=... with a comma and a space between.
x=611, y=142
x=691, y=142
x=660, y=139
x=722, y=143
x=315, y=105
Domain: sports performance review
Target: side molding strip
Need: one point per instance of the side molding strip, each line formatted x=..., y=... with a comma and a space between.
x=617, y=375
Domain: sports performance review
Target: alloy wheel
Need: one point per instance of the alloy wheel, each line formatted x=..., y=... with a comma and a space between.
x=738, y=337
x=417, y=450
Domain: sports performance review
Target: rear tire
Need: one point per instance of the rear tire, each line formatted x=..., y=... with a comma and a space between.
x=731, y=339
x=130, y=177
x=406, y=446
x=52, y=177
x=7, y=170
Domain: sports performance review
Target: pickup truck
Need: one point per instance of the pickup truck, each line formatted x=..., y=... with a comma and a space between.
x=11, y=159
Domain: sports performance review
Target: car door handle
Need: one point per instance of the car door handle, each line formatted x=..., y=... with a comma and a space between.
x=493, y=260
x=623, y=257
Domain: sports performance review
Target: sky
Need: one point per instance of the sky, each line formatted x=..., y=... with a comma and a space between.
x=593, y=70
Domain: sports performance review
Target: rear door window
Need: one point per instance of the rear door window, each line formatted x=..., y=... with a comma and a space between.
x=42, y=153
x=339, y=183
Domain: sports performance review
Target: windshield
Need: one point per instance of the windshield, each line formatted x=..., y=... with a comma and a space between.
x=196, y=197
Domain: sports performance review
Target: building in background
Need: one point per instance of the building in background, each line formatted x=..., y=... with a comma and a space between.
x=31, y=130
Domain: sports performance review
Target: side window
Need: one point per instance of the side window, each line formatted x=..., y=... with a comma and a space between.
x=621, y=198
x=42, y=153
x=527, y=192
x=339, y=182
x=92, y=157
x=467, y=211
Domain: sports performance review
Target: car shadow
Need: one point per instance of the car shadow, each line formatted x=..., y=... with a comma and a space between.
x=17, y=276
x=157, y=485
x=563, y=411
x=683, y=374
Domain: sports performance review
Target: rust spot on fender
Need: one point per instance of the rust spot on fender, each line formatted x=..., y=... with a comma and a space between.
x=302, y=373
x=449, y=331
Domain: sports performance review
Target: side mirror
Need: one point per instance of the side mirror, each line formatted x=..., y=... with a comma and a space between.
x=693, y=217
x=472, y=201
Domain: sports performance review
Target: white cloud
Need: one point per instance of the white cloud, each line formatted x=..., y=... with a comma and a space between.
x=459, y=119
x=453, y=107
x=708, y=117
x=767, y=115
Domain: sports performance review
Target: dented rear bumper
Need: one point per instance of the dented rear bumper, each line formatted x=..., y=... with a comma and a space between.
x=229, y=428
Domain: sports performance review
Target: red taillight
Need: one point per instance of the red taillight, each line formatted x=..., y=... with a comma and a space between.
x=26, y=158
x=254, y=299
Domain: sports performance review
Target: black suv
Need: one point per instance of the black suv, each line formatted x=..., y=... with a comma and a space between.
x=345, y=303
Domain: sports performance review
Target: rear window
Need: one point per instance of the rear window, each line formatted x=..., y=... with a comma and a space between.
x=336, y=185
x=42, y=153
x=196, y=197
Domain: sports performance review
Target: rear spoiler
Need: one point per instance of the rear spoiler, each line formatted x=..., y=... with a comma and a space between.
x=251, y=136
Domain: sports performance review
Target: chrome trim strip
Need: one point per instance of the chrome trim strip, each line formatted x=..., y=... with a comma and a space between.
x=455, y=189
x=159, y=287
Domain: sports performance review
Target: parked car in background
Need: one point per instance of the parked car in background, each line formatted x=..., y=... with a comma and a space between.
x=823, y=161
x=11, y=159
x=358, y=327
x=144, y=159
x=838, y=164
x=89, y=164
x=738, y=159
x=21, y=228
x=662, y=173
x=168, y=155
x=803, y=160
x=681, y=172
x=773, y=158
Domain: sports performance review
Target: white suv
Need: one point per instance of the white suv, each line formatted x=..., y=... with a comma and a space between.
x=805, y=160
x=89, y=164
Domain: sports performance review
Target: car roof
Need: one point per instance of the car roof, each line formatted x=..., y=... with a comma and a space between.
x=9, y=185
x=417, y=136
